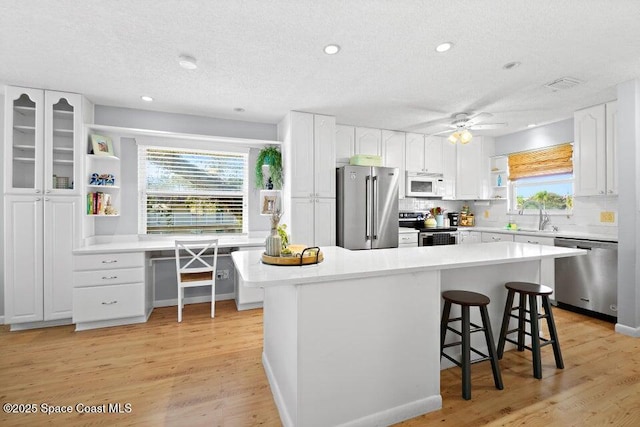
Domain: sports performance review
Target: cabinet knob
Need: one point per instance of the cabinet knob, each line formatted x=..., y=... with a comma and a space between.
x=610, y=191
x=38, y=199
x=601, y=192
x=37, y=191
x=47, y=191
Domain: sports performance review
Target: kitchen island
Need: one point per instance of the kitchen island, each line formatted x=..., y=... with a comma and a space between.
x=355, y=340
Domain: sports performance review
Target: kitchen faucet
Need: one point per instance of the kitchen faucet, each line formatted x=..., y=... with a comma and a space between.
x=543, y=215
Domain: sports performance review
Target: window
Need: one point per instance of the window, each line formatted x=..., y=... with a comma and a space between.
x=542, y=178
x=191, y=191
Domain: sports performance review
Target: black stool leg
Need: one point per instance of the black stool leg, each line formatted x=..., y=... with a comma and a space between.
x=497, y=378
x=505, y=323
x=443, y=325
x=522, y=300
x=551, y=324
x=466, y=353
x=535, y=337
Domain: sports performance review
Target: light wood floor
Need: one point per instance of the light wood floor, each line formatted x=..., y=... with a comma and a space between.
x=208, y=372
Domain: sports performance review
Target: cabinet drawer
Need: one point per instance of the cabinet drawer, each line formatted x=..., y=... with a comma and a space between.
x=108, y=302
x=104, y=261
x=496, y=237
x=547, y=241
x=408, y=239
x=107, y=277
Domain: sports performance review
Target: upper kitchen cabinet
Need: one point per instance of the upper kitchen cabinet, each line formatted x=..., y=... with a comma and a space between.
x=424, y=153
x=594, y=148
x=43, y=136
x=345, y=144
x=368, y=141
x=449, y=169
x=309, y=155
x=473, y=168
x=393, y=149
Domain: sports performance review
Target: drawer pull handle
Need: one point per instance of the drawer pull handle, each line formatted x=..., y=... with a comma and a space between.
x=109, y=261
x=110, y=302
x=534, y=242
x=584, y=299
x=109, y=277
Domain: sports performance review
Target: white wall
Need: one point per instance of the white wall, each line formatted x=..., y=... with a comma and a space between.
x=629, y=193
x=2, y=207
x=534, y=138
x=127, y=222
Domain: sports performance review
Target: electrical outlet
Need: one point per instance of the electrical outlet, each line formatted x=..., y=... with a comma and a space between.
x=607, y=216
x=222, y=274
x=486, y=214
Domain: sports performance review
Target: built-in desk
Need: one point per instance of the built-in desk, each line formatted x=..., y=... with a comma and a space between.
x=114, y=280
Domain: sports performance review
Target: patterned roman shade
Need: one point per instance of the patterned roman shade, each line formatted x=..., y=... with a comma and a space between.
x=548, y=161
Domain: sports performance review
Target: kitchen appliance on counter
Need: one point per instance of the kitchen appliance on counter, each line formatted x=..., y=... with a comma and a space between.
x=422, y=184
x=588, y=282
x=428, y=236
x=454, y=218
x=367, y=207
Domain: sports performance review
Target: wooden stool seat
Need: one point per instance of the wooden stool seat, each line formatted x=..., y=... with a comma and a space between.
x=466, y=299
x=530, y=292
x=529, y=288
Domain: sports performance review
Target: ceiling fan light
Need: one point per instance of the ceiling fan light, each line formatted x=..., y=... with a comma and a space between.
x=453, y=138
x=465, y=136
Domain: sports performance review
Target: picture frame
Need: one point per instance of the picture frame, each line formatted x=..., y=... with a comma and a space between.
x=102, y=145
x=269, y=202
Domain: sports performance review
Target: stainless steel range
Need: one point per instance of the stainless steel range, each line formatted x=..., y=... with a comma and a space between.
x=428, y=236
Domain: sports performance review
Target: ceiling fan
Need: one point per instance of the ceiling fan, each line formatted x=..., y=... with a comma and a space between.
x=462, y=124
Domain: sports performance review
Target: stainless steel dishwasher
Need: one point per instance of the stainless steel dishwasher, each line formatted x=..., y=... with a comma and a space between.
x=588, y=282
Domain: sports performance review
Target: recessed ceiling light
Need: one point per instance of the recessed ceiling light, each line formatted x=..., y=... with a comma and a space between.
x=511, y=65
x=531, y=125
x=187, y=62
x=146, y=98
x=443, y=47
x=238, y=110
x=331, y=49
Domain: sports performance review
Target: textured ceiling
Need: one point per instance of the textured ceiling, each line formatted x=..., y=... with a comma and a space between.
x=267, y=57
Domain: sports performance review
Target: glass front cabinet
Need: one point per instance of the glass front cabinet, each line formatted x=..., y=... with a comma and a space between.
x=42, y=141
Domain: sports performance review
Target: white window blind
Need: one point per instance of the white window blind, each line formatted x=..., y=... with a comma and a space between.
x=191, y=191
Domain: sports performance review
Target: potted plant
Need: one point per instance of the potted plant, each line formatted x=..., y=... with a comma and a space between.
x=269, y=156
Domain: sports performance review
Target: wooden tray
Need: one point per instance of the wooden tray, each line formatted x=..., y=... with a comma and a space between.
x=293, y=260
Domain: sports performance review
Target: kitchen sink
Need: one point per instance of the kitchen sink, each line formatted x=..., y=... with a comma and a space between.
x=532, y=230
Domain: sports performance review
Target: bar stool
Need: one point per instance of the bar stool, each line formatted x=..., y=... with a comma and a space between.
x=469, y=299
x=530, y=291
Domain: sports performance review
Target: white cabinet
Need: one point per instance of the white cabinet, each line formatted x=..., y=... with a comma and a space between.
x=393, y=146
x=449, y=169
x=368, y=141
x=309, y=158
x=473, y=168
x=496, y=237
x=345, y=144
x=110, y=289
x=40, y=234
x=612, y=147
x=424, y=153
x=407, y=238
x=314, y=222
x=595, y=154
x=466, y=237
x=43, y=133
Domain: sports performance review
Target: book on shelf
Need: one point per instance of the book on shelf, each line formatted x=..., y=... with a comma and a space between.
x=97, y=203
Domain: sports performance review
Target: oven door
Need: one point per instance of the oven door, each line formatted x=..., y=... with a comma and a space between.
x=437, y=239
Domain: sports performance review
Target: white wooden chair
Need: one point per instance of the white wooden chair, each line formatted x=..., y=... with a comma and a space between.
x=194, y=270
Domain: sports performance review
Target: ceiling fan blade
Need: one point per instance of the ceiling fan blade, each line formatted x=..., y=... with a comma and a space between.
x=429, y=124
x=477, y=118
x=488, y=126
x=441, y=132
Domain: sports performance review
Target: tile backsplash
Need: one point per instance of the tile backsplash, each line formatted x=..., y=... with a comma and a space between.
x=422, y=205
x=585, y=217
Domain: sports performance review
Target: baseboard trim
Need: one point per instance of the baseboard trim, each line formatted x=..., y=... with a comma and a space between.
x=248, y=305
x=192, y=300
x=285, y=417
x=85, y=326
x=1, y=320
x=399, y=413
x=35, y=325
x=628, y=330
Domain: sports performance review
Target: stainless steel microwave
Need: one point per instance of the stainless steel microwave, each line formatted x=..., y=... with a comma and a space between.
x=420, y=184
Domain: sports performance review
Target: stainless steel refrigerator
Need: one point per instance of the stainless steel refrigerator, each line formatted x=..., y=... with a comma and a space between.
x=367, y=207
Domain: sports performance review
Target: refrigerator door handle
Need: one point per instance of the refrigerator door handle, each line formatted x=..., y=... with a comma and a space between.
x=374, y=209
x=367, y=219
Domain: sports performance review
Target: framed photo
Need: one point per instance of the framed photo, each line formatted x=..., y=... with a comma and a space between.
x=269, y=201
x=102, y=145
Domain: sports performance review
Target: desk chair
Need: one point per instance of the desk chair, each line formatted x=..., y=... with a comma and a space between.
x=195, y=270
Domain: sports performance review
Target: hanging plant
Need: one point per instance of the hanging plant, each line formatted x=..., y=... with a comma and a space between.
x=269, y=156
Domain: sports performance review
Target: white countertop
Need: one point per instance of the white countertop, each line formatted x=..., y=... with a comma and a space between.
x=340, y=263
x=135, y=244
x=546, y=233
